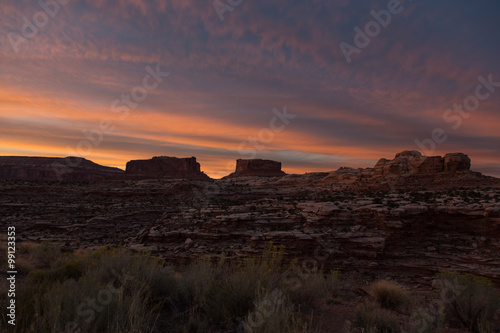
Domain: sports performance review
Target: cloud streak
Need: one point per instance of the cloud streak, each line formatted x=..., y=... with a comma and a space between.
x=226, y=77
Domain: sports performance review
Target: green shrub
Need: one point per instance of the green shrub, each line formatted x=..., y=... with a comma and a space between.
x=469, y=299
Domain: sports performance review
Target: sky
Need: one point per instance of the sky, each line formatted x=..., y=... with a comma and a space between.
x=314, y=84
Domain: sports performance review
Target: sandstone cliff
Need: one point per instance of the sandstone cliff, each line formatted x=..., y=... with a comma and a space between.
x=413, y=162
x=165, y=167
x=257, y=167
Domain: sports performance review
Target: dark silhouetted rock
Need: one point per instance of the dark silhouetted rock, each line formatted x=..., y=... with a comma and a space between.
x=412, y=162
x=456, y=162
x=258, y=168
x=69, y=169
x=165, y=167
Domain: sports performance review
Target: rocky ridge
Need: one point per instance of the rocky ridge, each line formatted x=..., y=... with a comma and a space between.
x=406, y=165
x=68, y=169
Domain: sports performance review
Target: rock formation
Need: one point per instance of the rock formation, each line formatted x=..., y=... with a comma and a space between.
x=257, y=167
x=456, y=162
x=413, y=162
x=407, y=164
x=165, y=167
x=68, y=169
x=435, y=217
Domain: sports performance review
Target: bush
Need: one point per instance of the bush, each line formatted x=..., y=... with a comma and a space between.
x=224, y=294
x=372, y=318
x=195, y=281
x=273, y=313
x=95, y=291
x=45, y=253
x=469, y=299
x=65, y=268
x=426, y=319
x=232, y=296
x=390, y=295
x=117, y=290
x=309, y=288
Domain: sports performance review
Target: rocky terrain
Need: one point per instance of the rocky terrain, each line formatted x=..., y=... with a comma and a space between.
x=406, y=219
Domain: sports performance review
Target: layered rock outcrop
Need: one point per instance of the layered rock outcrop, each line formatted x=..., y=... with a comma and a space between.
x=69, y=169
x=344, y=219
x=413, y=162
x=165, y=167
x=257, y=167
x=456, y=162
x=409, y=235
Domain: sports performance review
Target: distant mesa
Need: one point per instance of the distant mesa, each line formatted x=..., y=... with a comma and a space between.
x=68, y=169
x=413, y=162
x=74, y=169
x=161, y=167
x=257, y=168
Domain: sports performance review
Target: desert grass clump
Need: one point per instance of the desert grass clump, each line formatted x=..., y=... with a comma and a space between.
x=67, y=267
x=223, y=294
x=469, y=299
x=273, y=313
x=229, y=298
x=45, y=253
x=312, y=287
x=272, y=258
x=390, y=295
x=426, y=319
x=373, y=319
x=194, y=282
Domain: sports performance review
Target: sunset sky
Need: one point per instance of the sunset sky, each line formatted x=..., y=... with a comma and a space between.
x=65, y=83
